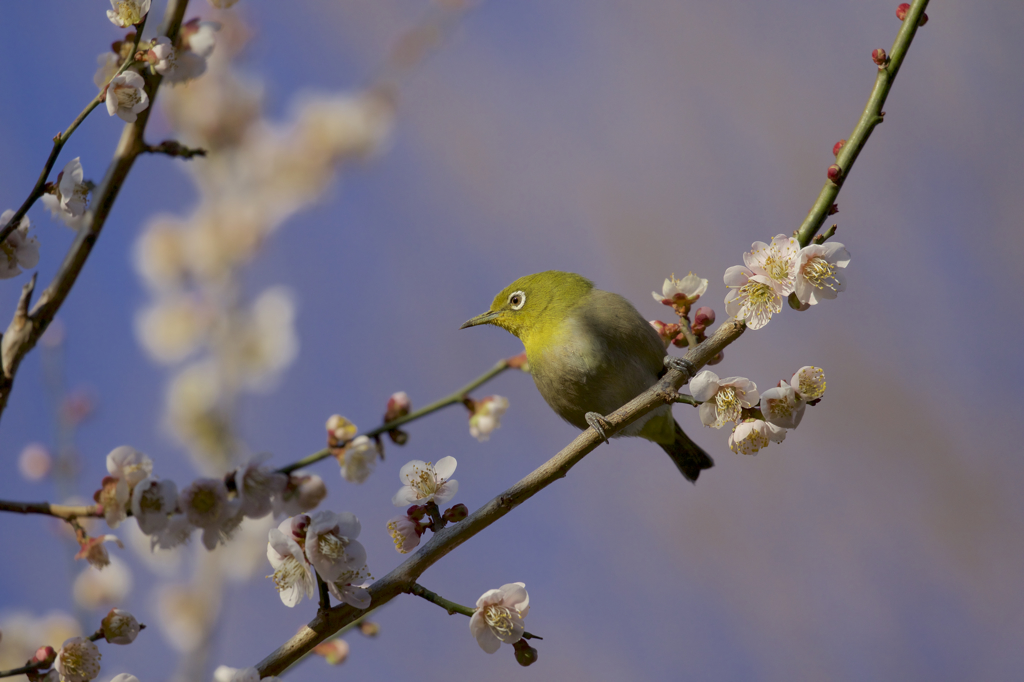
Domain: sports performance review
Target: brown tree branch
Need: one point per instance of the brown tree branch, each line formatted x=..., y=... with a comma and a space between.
x=401, y=579
x=25, y=330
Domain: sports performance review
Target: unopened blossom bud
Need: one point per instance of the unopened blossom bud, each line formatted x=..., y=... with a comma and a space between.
x=835, y=173
x=35, y=462
x=518, y=362
x=717, y=359
x=120, y=627
x=901, y=11
x=340, y=430
x=838, y=146
x=300, y=524
x=44, y=655
x=833, y=209
x=923, y=20
x=398, y=406
x=334, y=651
x=456, y=513
x=526, y=655
x=369, y=629
x=879, y=57
x=398, y=436
x=486, y=416
x=416, y=511
x=704, y=316
x=667, y=331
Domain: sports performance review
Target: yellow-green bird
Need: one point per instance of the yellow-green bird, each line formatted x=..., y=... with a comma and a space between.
x=591, y=352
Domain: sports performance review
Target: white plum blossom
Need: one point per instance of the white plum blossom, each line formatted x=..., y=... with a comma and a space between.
x=751, y=298
x=95, y=589
x=18, y=250
x=499, y=616
x=722, y=400
x=486, y=416
x=776, y=261
x=359, y=459
x=107, y=65
x=71, y=195
x=350, y=587
x=206, y=505
x=819, y=272
x=120, y=627
x=331, y=544
x=426, y=482
x=35, y=462
x=152, y=502
x=126, y=96
x=405, y=532
x=128, y=464
x=302, y=493
x=293, y=574
x=782, y=407
x=93, y=551
x=78, y=660
x=751, y=435
x=127, y=13
x=177, y=532
x=685, y=290
x=809, y=383
x=204, y=38
x=164, y=55
x=257, y=486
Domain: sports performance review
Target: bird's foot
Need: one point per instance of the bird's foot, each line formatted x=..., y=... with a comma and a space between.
x=598, y=423
x=680, y=365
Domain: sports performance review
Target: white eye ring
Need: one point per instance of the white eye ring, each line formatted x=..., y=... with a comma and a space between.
x=517, y=299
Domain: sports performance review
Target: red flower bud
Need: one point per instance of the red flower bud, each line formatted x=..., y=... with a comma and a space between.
x=416, y=512
x=924, y=19
x=456, y=513
x=45, y=655
x=717, y=359
x=837, y=146
x=901, y=11
x=835, y=173
x=704, y=316
x=879, y=57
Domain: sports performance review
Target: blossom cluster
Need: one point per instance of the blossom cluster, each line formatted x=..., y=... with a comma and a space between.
x=772, y=272
x=216, y=506
x=426, y=487
x=758, y=418
x=326, y=544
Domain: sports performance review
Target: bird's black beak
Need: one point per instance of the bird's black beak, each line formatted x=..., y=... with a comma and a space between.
x=485, y=318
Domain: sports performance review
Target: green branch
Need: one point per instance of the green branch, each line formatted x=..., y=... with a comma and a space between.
x=457, y=397
x=871, y=117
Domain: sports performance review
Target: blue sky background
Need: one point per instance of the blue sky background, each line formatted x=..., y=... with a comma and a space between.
x=623, y=141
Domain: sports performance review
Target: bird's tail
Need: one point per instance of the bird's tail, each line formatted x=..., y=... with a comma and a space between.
x=688, y=457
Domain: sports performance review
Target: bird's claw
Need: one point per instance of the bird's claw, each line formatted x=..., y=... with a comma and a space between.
x=599, y=424
x=680, y=365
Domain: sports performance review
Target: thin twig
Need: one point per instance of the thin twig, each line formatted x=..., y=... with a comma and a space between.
x=871, y=117
x=21, y=336
x=61, y=139
x=451, y=399
x=61, y=511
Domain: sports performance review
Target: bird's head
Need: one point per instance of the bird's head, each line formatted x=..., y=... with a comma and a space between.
x=535, y=303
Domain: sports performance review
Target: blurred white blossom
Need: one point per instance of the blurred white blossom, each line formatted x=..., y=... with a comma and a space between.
x=94, y=589
x=120, y=627
x=359, y=459
x=71, y=195
x=486, y=416
x=152, y=503
x=18, y=250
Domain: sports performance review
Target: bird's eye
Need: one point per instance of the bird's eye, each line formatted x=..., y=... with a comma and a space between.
x=516, y=300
